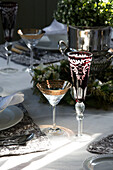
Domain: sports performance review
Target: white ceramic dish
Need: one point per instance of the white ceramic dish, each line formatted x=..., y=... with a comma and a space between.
x=50, y=41
x=10, y=117
x=100, y=162
x=47, y=45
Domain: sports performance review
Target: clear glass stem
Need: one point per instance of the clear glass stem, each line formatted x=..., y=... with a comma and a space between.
x=80, y=107
x=80, y=127
x=8, y=46
x=31, y=58
x=8, y=60
x=54, y=116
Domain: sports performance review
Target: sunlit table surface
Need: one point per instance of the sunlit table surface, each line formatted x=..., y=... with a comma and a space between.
x=62, y=155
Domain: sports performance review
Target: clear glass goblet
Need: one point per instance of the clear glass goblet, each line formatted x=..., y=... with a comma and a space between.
x=80, y=67
x=8, y=12
x=31, y=37
x=54, y=91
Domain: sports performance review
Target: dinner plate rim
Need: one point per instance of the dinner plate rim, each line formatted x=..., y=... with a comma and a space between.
x=44, y=47
x=18, y=116
x=86, y=163
x=40, y=45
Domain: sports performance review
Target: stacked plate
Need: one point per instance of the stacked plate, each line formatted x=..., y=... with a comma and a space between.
x=100, y=162
x=10, y=117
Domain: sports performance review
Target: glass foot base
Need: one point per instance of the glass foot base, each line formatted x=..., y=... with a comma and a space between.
x=58, y=137
x=8, y=70
x=28, y=70
x=58, y=131
x=83, y=138
x=53, y=131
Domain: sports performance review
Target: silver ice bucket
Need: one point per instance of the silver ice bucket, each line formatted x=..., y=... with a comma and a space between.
x=93, y=39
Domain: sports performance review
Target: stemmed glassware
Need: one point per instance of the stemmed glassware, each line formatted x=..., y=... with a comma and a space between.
x=80, y=67
x=54, y=91
x=31, y=37
x=8, y=16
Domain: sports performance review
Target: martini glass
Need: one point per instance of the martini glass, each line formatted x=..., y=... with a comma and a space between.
x=31, y=37
x=8, y=16
x=80, y=67
x=54, y=91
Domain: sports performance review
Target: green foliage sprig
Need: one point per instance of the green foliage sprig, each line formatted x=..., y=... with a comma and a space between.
x=85, y=12
x=100, y=87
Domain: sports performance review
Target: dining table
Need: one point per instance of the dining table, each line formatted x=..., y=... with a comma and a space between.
x=63, y=152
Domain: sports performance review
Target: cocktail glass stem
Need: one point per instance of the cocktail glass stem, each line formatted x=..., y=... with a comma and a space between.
x=31, y=59
x=80, y=107
x=54, y=117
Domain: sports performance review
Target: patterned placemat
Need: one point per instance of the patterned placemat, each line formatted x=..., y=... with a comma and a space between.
x=103, y=146
x=41, y=56
x=39, y=142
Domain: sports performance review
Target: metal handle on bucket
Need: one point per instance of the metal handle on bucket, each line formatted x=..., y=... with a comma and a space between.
x=62, y=47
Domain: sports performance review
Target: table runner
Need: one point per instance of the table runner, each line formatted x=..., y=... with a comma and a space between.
x=103, y=146
x=46, y=56
x=40, y=141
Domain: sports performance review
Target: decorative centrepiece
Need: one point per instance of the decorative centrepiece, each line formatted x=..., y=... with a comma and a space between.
x=54, y=91
x=80, y=67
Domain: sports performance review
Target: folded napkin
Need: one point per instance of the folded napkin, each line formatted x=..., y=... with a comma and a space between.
x=56, y=28
x=12, y=99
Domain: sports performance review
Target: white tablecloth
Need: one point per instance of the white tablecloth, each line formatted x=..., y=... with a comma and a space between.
x=64, y=154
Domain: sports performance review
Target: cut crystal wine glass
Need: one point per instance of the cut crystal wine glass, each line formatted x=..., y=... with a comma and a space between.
x=54, y=91
x=8, y=16
x=80, y=67
x=31, y=37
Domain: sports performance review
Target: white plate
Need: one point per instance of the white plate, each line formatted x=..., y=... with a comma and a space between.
x=50, y=41
x=101, y=162
x=10, y=117
x=47, y=45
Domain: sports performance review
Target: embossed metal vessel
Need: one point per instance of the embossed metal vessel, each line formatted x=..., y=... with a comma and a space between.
x=89, y=38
